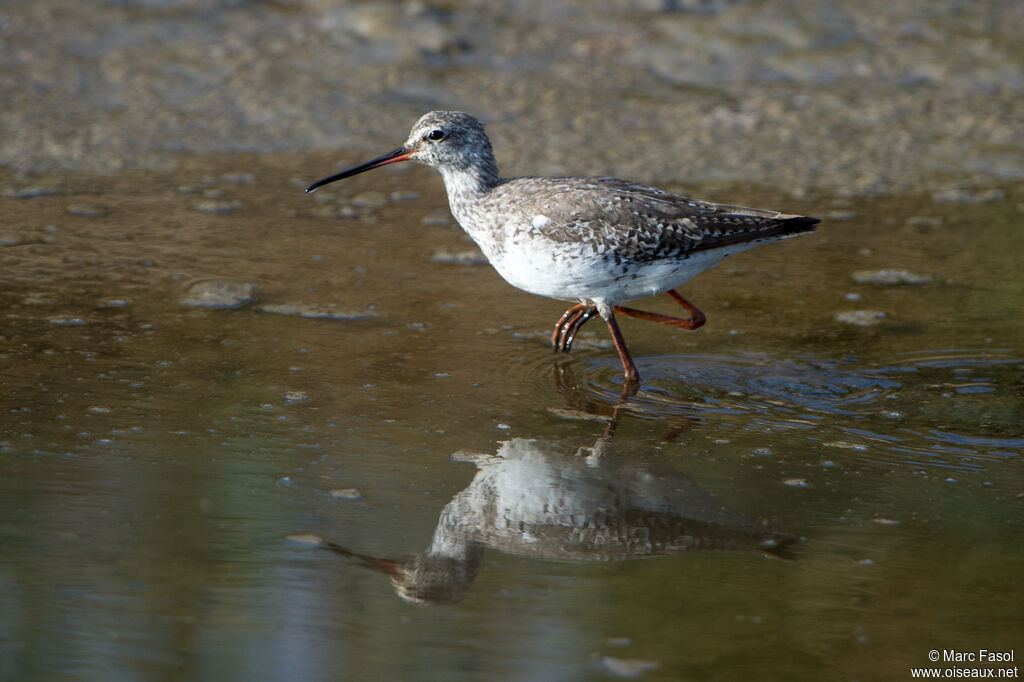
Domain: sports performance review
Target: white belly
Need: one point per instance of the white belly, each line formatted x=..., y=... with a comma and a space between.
x=585, y=276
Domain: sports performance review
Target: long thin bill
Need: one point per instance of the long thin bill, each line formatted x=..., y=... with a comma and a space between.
x=394, y=156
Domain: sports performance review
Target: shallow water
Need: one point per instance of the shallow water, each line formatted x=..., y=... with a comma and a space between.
x=250, y=433
x=787, y=492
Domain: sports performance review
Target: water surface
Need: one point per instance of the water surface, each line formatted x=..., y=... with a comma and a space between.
x=787, y=492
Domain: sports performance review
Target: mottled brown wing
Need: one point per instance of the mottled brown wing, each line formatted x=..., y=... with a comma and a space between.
x=644, y=223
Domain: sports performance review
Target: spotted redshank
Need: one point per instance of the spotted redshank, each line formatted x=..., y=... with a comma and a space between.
x=597, y=241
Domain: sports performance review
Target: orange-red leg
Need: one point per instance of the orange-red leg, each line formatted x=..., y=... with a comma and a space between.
x=696, y=316
x=696, y=319
x=575, y=317
x=628, y=366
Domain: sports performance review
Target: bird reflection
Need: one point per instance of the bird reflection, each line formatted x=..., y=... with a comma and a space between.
x=545, y=500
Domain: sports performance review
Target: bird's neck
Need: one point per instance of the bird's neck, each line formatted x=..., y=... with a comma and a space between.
x=468, y=189
x=470, y=182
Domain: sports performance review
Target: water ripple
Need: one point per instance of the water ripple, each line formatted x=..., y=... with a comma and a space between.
x=907, y=409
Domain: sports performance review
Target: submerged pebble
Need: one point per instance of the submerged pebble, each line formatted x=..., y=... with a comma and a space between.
x=31, y=192
x=436, y=219
x=216, y=206
x=371, y=199
x=960, y=195
x=347, y=494
x=403, y=195
x=87, y=210
x=37, y=298
x=467, y=257
x=216, y=293
x=845, y=445
x=68, y=320
x=114, y=303
x=241, y=178
x=627, y=668
x=924, y=221
x=292, y=397
x=306, y=539
x=860, y=318
x=329, y=311
x=890, y=276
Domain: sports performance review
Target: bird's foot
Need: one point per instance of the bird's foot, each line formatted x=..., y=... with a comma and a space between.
x=569, y=324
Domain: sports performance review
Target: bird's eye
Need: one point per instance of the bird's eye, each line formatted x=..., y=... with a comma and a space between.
x=435, y=135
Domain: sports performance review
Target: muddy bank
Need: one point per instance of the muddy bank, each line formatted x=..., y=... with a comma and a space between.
x=843, y=97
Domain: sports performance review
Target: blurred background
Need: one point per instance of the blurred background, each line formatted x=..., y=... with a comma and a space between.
x=855, y=97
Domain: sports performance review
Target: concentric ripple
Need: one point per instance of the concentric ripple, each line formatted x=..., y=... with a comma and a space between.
x=958, y=408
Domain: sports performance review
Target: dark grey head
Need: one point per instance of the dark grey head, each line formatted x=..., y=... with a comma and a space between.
x=446, y=140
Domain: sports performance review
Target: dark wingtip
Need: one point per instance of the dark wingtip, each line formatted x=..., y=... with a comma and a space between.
x=802, y=222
